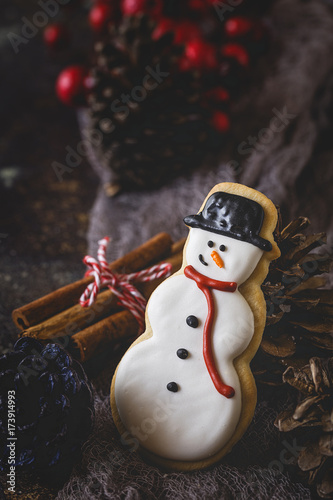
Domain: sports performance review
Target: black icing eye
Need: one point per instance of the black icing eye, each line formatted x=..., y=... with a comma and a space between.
x=222, y=248
x=210, y=244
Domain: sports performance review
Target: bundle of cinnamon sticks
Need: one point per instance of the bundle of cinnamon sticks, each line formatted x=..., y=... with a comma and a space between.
x=58, y=316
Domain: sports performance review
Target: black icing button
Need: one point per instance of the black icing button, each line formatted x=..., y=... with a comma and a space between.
x=192, y=321
x=172, y=386
x=182, y=353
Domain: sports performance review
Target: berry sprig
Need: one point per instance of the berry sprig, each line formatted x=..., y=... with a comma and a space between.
x=217, y=53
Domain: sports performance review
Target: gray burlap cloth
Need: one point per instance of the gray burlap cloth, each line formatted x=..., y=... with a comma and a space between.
x=283, y=148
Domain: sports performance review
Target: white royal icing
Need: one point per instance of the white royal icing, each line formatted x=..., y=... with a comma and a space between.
x=195, y=422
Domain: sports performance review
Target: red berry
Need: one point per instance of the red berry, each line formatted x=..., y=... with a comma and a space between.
x=220, y=121
x=218, y=94
x=72, y=86
x=183, y=31
x=238, y=26
x=201, y=5
x=132, y=7
x=56, y=36
x=236, y=51
x=164, y=26
x=186, y=31
x=100, y=16
x=200, y=54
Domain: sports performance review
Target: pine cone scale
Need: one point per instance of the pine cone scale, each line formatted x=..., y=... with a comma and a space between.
x=325, y=488
x=291, y=229
x=286, y=421
x=312, y=421
x=313, y=282
x=327, y=422
x=326, y=445
x=301, y=410
x=281, y=347
x=299, y=379
x=310, y=458
x=322, y=325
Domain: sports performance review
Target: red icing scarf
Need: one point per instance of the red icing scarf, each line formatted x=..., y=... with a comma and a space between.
x=206, y=284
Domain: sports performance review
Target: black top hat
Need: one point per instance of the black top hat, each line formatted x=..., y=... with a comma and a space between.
x=234, y=216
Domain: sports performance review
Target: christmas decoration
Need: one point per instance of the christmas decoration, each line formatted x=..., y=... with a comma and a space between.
x=101, y=16
x=71, y=85
x=102, y=323
x=182, y=30
x=236, y=51
x=51, y=406
x=221, y=121
x=238, y=26
x=167, y=128
x=157, y=127
x=56, y=36
x=133, y=7
x=155, y=130
x=216, y=294
x=311, y=420
x=299, y=311
x=200, y=55
x=120, y=284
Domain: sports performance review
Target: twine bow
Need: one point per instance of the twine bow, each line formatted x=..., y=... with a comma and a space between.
x=119, y=284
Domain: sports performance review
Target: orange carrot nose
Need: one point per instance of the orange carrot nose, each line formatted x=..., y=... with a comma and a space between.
x=217, y=258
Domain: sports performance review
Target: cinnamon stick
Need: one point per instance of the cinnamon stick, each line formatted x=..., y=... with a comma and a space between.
x=76, y=318
x=55, y=302
x=96, y=337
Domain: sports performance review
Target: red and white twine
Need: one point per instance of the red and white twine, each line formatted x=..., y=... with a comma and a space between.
x=119, y=284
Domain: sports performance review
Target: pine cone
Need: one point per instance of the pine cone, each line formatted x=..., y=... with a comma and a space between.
x=299, y=311
x=158, y=115
x=312, y=418
x=160, y=131
x=51, y=404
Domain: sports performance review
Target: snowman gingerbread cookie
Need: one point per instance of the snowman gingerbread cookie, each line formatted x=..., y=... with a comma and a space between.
x=184, y=393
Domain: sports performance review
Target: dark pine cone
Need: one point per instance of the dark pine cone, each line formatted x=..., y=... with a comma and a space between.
x=161, y=130
x=53, y=410
x=299, y=322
